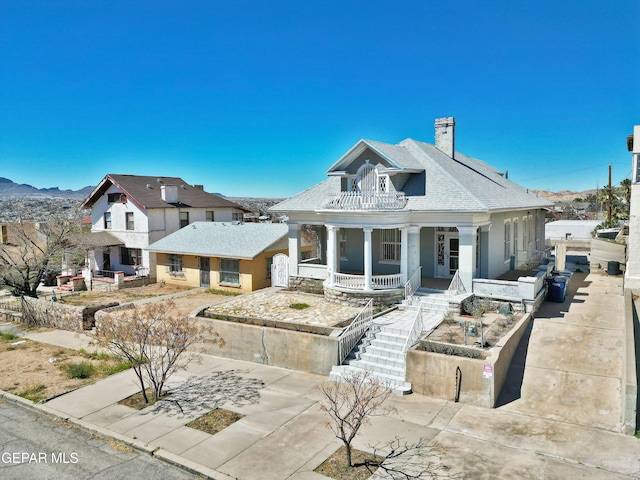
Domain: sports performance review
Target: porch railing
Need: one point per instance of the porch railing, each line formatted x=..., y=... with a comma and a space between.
x=104, y=274
x=378, y=282
x=367, y=201
x=456, y=286
x=354, y=332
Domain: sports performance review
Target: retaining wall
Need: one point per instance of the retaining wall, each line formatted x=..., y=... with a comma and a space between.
x=46, y=313
x=604, y=251
x=274, y=346
x=434, y=374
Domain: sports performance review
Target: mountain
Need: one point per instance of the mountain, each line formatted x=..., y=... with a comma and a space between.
x=563, y=195
x=8, y=188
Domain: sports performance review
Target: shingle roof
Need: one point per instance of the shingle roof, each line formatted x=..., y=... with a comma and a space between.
x=146, y=193
x=460, y=184
x=221, y=239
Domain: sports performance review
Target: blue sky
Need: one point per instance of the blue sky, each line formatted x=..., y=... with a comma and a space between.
x=259, y=98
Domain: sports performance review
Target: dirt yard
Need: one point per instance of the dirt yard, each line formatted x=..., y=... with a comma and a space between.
x=495, y=326
x=38, y=371
x=185, y=304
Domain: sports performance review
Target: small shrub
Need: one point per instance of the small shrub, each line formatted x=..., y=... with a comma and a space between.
x=299, y=306
x=80, y=370
x=451, y=336
x=215, y=291
x=95, y=355
x=117, y=368
x=35, y=393
x=8, y=336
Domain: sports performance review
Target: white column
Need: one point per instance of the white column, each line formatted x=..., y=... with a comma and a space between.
x=467, y=256
x=294, y=248
x=404, y=249
x=367, y=258
x=331, y=253
x=413, y=250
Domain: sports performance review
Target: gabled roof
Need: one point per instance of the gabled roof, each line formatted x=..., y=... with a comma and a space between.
x=459, y=184
x=222, y=239
x=145, y=192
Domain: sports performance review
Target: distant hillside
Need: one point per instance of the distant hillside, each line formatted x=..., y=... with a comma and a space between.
x=8, y=188
x=564, y=195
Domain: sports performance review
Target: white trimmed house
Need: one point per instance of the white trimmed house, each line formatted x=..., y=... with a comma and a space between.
x=129, y=212
x=388, y=214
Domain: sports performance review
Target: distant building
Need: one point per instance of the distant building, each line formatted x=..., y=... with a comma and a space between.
x=129, y=212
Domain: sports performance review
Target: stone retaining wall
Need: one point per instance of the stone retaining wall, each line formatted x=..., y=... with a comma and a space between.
x=46, y=313
x=384, y=299
x=307, y=285
x=481, y=380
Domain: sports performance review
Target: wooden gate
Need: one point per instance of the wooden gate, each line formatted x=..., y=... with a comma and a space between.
x=280, y=271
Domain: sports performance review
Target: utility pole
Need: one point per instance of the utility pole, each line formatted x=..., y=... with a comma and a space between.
x=609, y=196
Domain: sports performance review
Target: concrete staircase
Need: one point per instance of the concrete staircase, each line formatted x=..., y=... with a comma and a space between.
x=381, y=349
x=432, y=301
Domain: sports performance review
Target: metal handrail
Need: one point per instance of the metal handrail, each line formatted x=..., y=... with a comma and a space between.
x=412, y=285
x=354, y=332
x=456, y=286
x=417, y=326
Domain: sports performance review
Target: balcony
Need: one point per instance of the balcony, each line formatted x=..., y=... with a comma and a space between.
x=367, y=201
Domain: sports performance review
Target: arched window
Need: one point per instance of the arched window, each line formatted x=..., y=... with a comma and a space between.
x=368, y=180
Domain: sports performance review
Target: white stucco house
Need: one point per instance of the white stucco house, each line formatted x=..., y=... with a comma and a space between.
x=129, y=212
x=632, y=272
x=388, y=214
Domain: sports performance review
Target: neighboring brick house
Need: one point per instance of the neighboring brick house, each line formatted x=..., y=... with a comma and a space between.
x=129, y=212
x=232, y=256
x=390, y=212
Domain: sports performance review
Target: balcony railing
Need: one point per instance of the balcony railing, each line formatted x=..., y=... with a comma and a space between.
x=367, y=201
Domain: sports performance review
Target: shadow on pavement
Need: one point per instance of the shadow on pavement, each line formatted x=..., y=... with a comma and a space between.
x=512, y=388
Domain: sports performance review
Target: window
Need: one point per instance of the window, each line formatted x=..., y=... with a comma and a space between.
x=210, y=216
x=390, y=246
x=184, y=219
x=269, y=264
x=238, y=216
x=129, y=221
x=116, y=198
x=525, y=233
x=130, y=256
x=175, y=264
x=515, y=237
x=107, y=220
x=343, y=244
x=230, y=271
x=507, y=240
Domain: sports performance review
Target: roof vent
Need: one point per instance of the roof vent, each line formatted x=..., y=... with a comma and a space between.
x=159, y=180
x=183, y=187
x=149, y=186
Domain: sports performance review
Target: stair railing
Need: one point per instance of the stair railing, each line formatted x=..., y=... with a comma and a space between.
x=412, y=285
x=456, y=286
x=417, y=326
x=354, y=332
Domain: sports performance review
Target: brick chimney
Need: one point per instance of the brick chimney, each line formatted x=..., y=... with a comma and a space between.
x=169, y=193
x=445, y=135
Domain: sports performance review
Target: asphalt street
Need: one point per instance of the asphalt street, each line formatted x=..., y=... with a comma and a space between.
x=36, y=447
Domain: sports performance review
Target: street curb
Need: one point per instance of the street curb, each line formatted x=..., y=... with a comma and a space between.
x=168, y=457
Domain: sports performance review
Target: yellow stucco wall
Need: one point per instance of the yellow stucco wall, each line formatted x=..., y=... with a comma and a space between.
x=253, y=273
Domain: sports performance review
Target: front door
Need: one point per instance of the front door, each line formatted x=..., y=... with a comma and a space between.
x=447, y=253
x=205, y=271
x=106, y=259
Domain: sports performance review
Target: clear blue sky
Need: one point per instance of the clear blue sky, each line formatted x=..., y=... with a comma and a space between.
x=259, y=98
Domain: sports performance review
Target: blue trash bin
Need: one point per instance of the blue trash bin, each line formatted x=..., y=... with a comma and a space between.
x=556, y=289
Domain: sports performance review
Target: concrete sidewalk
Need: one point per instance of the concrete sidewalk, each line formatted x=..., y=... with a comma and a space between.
x=559, y=418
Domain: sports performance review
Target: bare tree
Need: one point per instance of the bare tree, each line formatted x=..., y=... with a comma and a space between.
x=155, y=342
x=350, y=404
x=33, y=248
